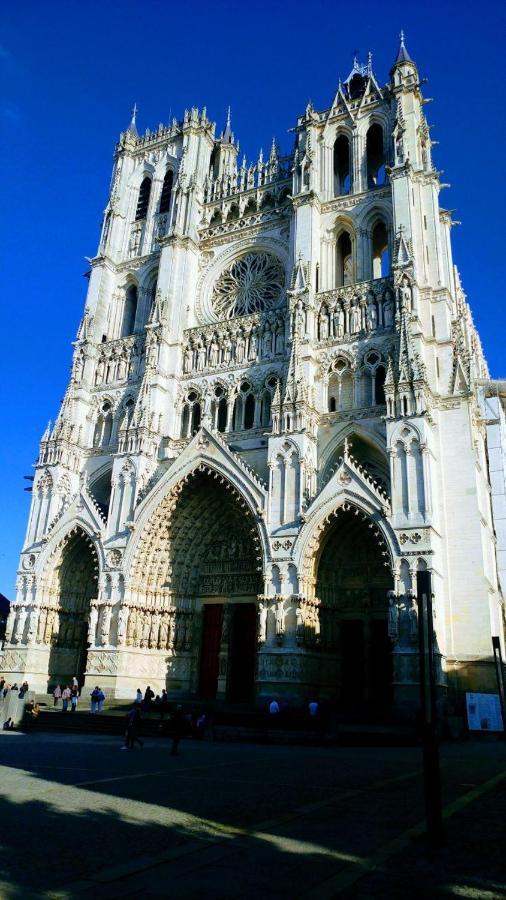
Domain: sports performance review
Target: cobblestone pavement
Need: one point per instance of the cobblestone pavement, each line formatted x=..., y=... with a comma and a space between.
x=78, y=817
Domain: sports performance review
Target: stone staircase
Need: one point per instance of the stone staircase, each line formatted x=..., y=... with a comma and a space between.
x=240, y=724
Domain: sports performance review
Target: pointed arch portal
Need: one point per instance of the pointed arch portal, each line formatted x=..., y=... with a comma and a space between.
x=71, y=586
x=201, y=555
x=352, y=578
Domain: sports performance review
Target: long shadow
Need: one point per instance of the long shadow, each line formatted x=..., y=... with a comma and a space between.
x=63, y=816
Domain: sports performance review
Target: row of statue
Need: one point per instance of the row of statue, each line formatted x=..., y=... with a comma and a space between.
x=234, y=346
x=364, y=314
x=167, y=630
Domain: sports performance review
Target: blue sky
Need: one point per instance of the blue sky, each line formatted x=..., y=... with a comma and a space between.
x=71, y=72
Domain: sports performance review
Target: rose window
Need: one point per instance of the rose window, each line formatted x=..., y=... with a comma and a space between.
x=251, y=284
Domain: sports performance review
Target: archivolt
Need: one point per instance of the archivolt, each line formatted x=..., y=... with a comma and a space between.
x=201, y=510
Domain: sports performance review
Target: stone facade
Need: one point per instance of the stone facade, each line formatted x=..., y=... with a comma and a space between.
x=273, y=422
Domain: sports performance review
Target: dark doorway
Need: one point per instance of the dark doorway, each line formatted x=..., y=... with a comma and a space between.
x=381, y=665
x=241, y=677
x=211, y=640
x=352, y=663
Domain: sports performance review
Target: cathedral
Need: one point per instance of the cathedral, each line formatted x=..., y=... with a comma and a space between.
x=276, y=417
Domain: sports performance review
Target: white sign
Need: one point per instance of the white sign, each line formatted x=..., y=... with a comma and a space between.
x=484, y=712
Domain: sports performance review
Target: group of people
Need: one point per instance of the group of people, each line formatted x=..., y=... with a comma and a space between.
x=68, y=695
x=5, y=688
x=149, y=701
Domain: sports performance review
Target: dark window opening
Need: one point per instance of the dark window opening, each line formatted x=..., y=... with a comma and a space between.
x=379, y=386
x=380, y=253
x=341, y=166
x=143, y=201
x=195, y=417
x=129, y=311
x=166, y=194
x=376, y=174
x=221, y=423
x=344, y=260
x=249, y=411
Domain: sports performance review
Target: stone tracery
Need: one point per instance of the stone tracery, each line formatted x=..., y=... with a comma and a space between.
x=252, y=283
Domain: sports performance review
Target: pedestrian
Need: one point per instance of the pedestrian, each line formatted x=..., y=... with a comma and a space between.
x=2, y=682
x=178, y=729
x=138, y=696
x=75, y=683
x=274, y=708
x=24, y=689
x=148, y=697
x=65, y=696
x=8, y=725
x=100, y=700
x=94, y=699
x=133, y=721
x=56, y=695
x=164, y=704
x=74, y=694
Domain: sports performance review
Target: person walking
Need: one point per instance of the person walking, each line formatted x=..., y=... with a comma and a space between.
x=65, y=696
x=100, y=699
x=133, y=722
x=56, y=695
x=74, y=694
x=164, y=703
x=148, y=698
x=138, y=696
x=94, y=700
x=178, y=729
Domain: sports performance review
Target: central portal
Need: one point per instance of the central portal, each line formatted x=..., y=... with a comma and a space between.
x=228, y=654
x=352, y=586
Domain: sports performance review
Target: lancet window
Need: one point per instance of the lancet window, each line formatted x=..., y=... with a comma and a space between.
x=375, y=151
x=165, y=196
x=129, y=311
x=380, y=251
x=143, y=199
x=342, y=183
x=191, y=415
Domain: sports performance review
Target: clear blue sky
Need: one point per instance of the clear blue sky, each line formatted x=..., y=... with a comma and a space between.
x=71, y=72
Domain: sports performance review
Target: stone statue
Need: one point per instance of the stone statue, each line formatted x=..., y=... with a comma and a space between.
x=280, y=617
x=355, y=318
x=201, y=356
x=227, y=351
x=253, y=345
x=188, y=360
x=300, y=318
x=372, y=316
x=405, y=296
x=153, y=634
x=339, y=321
x=146, y=631
x=32, y=626
x=240, y=348
x=388, y=312
x=262, y=622
x=324, y=324
x=163, y=634
x=41, y=625
x=20, y=625
x=267, y=340
x=299, y=628
x=214, y=353
x=9, y=628
x=393, y=616
x=99, y=375
x=92, y=624
x=413, y=618
x=105, y=624
x=122, y=625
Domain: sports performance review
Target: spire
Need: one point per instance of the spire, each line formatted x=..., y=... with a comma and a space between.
x=402, y=55
x=227, y=135
x=132, y=128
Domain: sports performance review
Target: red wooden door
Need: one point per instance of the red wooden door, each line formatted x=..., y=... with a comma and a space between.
x=211, y=640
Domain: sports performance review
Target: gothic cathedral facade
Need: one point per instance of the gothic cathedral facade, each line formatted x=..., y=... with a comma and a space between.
x=272, y=424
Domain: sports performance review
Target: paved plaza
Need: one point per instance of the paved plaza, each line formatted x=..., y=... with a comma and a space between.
x=81, y=818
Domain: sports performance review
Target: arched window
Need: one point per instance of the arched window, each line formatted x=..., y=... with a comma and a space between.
x=376, y=174
x=344, y=262
x=166, y=194
x=185, y=420
x=341, y=166
x=332, y=404
x=379, y=386
x=143, y=199
x=380, y=253
x=233, y=213
x=129, y=311
x=107, y=430
x=221, y=416
x=196, y=414
x=249, y=411
x=266, y=408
